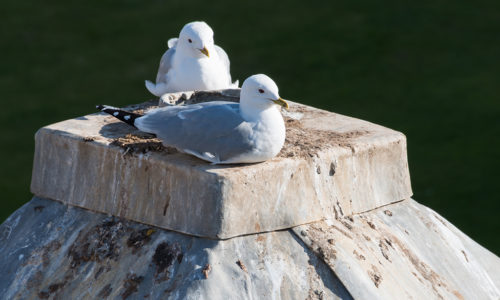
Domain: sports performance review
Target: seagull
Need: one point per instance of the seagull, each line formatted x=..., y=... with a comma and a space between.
x=192, y=63
x=220, y=132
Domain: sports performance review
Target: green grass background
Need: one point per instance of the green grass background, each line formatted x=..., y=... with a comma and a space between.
x=430, y=69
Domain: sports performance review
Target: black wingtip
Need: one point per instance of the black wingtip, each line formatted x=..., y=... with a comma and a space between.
x=102, y=107
x=124, y=116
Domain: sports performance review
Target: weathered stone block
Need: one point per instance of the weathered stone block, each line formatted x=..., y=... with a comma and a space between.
x=404, y=251
x=52, y=251
x=330, y=165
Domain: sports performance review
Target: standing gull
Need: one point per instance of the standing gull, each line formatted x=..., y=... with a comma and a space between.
x=220, y=132
x=192, y=63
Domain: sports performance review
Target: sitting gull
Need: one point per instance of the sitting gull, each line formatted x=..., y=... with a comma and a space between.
x=220, y=132
x=193, y=63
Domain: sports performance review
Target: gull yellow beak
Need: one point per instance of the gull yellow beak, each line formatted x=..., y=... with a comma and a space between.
x=281, y=102
x=205, y=51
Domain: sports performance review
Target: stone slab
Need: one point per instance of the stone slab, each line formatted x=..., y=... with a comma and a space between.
x=53, y=251
x=404, y=251
x=330, y=165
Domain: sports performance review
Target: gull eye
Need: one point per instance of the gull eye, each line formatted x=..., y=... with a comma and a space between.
x=261, y=91
x=189, y=40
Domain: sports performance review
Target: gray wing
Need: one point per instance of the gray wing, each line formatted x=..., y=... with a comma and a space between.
x=223, y=57
x=216, y=128
x=165, y=65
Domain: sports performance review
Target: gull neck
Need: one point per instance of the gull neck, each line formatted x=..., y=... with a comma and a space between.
x=253, y=110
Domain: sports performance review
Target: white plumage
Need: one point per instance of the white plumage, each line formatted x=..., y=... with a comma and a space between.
x=220, y=132
x=192, y=63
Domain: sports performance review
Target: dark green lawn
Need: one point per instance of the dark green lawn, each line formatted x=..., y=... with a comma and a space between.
x=430, y=69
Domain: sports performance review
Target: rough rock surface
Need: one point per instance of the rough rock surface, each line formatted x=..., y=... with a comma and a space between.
x=346, y=178
x=53, y=251
x=401, y=251
x=330, y=165
x=404, y=251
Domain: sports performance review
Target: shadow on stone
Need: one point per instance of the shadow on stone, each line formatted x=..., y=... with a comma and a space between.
x=116, y=130
x=326, y=275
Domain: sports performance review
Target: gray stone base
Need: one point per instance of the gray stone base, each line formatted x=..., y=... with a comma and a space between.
x=400, y=251
x=404, y=251
x=53, y=251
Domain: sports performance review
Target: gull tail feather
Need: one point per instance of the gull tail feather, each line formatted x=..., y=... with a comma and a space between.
x=172, y=43
x=124, y=116
x=234, y=85
x=157, y=89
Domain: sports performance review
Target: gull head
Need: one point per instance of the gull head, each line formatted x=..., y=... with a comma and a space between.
x=197, y=39
x=261, y=92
